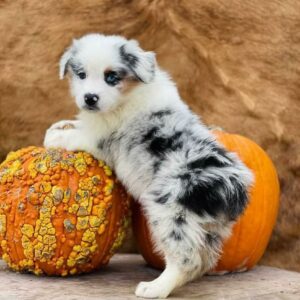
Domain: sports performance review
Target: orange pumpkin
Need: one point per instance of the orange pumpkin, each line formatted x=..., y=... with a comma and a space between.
x=252, y=231
x=60, y=212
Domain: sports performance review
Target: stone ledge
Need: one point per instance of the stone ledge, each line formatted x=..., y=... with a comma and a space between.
x=119, y=279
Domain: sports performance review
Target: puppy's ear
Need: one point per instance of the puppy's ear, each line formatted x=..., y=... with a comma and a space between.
x=141, y=63
x=65, y=59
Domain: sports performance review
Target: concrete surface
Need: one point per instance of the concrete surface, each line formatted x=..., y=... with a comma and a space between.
x=118, y=281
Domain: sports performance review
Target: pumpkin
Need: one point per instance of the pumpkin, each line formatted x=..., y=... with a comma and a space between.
x=252, y=231
x=61, y=212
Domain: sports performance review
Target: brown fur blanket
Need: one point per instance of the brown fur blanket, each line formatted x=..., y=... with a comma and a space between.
x=237, y=63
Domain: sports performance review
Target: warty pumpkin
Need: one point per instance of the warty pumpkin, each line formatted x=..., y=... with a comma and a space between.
x=61, y=212
x=252, y=231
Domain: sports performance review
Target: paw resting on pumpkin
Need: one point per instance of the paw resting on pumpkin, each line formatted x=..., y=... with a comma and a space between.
x=65, y=124
x=56, y=138
x=58, y=135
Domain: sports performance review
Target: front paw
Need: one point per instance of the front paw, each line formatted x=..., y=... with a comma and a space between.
x=65, y=124
x=54, y=138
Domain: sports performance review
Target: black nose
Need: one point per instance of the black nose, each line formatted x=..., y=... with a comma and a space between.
x=91, y=99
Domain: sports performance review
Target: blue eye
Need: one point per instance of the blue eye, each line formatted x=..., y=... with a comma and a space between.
x=112, y=78
x=81, y=75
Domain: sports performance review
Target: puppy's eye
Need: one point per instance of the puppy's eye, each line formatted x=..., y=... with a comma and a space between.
x=81, y=75
x=111, y=78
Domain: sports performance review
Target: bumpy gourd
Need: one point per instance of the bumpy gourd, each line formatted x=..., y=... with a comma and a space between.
x=61, y=212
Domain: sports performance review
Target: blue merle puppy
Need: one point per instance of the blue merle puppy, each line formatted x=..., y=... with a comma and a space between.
x=131, y=116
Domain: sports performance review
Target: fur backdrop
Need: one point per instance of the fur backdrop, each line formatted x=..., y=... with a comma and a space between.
x=237, y=64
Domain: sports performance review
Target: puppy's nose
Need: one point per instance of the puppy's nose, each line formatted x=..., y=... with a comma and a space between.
x=91, y=99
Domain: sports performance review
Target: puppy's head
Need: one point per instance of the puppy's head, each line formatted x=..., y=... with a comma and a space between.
x=103, y=68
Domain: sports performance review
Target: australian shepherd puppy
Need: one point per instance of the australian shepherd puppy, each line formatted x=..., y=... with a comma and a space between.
x=132, y=117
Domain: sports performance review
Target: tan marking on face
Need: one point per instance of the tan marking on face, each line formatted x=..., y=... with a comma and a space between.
x=128, y=84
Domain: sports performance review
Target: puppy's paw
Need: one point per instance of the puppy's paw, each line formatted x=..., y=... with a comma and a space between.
x=55, y=138
x=151, y=289
x=65, y=124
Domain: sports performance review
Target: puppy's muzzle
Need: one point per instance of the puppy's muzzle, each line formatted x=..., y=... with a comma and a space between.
x=91, y=100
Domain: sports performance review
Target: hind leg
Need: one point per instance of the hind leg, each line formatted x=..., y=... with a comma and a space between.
x=184, y=245
x=171, y=278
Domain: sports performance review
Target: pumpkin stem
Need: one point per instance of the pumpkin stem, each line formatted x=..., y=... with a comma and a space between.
x=215, y=127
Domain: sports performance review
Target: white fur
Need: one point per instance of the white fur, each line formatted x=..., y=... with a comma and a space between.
x=122, y=124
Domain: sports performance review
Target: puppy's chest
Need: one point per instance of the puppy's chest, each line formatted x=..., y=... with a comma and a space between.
x=140, y=142
x=156, y=143
x=109, y=146
x=138, y=151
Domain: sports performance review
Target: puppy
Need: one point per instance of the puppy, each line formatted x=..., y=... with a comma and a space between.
x=132, y=117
